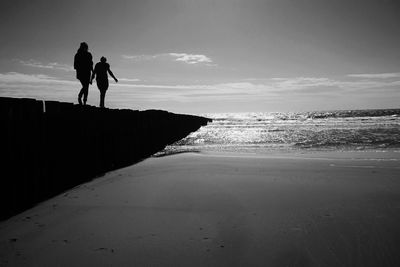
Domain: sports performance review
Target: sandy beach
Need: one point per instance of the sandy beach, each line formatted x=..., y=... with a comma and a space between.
x=199, y=209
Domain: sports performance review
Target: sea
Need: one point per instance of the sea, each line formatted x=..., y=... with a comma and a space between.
x=265, y=132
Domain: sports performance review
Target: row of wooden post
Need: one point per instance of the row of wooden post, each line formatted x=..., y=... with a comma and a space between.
x=49, y=147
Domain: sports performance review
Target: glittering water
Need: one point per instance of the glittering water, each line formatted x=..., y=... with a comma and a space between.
x=260, y=132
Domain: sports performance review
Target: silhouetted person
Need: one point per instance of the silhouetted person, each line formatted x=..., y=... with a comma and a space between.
x=100, y=72
x=83, y=64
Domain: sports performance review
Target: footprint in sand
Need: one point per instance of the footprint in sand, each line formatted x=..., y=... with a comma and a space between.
x=40, y=225
x=105, y=249
x=207, y=239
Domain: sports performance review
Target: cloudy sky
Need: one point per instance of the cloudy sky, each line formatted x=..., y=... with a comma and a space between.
x=195, y=56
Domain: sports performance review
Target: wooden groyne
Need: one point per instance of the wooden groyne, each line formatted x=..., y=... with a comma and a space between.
x=49, y=147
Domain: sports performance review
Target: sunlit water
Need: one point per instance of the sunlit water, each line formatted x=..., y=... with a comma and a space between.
x=377, y=130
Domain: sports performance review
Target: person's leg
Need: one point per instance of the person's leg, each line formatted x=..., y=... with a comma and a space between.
x=81, y=92
x=85, y=92
x=102, y=96
x=102, y=84
x=84, y=78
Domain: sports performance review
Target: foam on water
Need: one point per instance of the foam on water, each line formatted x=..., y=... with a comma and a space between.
x=329, y=130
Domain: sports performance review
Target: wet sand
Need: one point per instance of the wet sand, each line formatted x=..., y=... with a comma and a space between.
x=314, y=209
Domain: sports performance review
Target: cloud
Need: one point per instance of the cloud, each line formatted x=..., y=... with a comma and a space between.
x=39, y=86
x=376, y=75
x=51, y=65
x=141, y=57
x=190, y=59
x=302, y=83
x=21, y=78
x=18, y=78
x=127, y=79
x=269, y=86
x=133, y=92
x=211, y=89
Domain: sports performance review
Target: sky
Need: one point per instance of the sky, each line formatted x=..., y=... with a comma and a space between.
x=192, y=56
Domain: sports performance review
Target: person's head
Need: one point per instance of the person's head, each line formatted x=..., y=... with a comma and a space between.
x=103, y=59
x=84, y=46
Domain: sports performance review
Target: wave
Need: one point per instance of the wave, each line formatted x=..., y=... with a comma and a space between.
x=353, y=113
x=360, y=129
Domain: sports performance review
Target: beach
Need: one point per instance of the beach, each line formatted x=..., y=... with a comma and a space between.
x=220, y=209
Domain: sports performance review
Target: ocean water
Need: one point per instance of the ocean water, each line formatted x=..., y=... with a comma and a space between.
x=351, y=130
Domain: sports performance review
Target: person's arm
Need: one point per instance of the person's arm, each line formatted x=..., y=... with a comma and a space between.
x=91, y=62
x=91, y=68
x=76, y=61
x=112, y=74
x=93, y=75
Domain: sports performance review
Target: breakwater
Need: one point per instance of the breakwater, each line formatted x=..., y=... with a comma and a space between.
x=49, y=147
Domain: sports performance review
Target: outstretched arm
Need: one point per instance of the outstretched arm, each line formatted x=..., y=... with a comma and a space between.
x=112, y=75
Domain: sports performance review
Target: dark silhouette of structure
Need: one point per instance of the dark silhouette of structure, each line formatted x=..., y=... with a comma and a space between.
x=100, y=72
x=39, y=142
x=83, y=64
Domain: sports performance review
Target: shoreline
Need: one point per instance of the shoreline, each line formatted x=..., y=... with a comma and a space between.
x=379, y=155
x=203, y=209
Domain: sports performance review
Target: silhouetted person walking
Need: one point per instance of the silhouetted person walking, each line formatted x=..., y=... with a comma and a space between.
x=83, y=64
x=100, y=72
